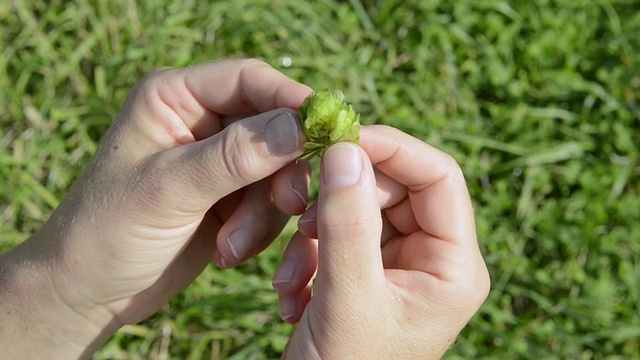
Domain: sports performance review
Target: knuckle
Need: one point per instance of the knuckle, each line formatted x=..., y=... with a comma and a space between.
x=153, y=77
x=475, y=289
x=253, y=62
x=485, y=285
x=451, y=172
x=351, y=227
x=235, y=158
x=144, y=91
x=451, y=166
x=245, y=76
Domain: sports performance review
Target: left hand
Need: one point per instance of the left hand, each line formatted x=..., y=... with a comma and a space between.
x=198, y=166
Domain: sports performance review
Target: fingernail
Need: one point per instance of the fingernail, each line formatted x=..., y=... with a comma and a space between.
x=299, y=186
x=223, y=263
x=287, y=307
x=220, y=260
x=341, y=165
x=285, y=273
x=283, y=134
x=239, y=241
x=306, y=220
x=308, y=226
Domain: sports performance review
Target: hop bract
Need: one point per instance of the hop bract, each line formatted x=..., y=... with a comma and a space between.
x=327, y=119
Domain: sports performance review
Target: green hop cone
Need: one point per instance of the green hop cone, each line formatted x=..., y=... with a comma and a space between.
x=327, y=119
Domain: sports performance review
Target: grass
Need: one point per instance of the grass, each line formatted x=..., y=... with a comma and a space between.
x=539, y=101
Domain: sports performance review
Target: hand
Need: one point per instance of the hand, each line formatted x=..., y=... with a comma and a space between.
x=178, y=180
x=399, y=271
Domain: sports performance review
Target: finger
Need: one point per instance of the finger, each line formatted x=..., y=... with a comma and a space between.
x=432, y=256
x=199, y=174
x=388, y=231
x=290, y=187
x=349, y=222
x=224, y=208
x=170, y=107
x=438, y=192
x=298, y=266
x=307, y=223
x=390, y=193
x=457, y=278
x=308, y=226
x=292, y=306
x=402, y=218
x=251, y=85
x=251, y=228
x=227, y=120
x=293, y=280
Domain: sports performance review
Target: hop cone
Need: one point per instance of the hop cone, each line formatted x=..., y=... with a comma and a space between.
x=327, y=119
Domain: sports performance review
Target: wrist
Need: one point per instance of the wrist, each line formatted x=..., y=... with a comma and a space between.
x=41, y=315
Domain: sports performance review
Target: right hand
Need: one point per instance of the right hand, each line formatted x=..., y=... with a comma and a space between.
x=399, y=270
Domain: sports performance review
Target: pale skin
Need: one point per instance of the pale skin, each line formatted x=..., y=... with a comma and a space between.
x=200, y=165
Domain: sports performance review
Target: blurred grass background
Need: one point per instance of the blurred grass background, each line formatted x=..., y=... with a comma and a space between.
x=539, y=101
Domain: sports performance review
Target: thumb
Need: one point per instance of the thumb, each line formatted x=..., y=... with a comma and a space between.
x=349, y=221
x=244, y=152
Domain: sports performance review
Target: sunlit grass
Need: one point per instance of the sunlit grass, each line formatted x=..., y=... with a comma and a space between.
x=538, y=101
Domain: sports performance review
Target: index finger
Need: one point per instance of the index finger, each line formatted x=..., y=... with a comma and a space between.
x=243, y=87
x=437, y=189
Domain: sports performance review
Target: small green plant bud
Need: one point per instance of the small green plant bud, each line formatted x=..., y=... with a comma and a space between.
x=327, y=119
